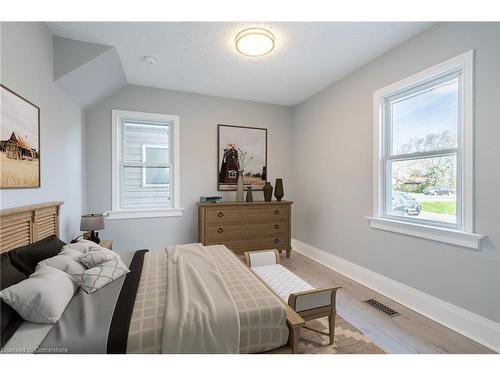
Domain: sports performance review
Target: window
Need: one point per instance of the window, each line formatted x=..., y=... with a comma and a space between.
x=145, y=171
x=421, y=126
x=423, y=156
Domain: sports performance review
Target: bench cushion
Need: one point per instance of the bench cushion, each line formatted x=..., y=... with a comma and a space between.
x=281, y=281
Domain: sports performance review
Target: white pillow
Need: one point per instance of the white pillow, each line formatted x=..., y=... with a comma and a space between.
x=43, y=297
x=97, y=256
x=67, y=260
x=95, y=278
x=83, y=246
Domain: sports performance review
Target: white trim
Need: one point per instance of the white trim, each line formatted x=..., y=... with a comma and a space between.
x=463, y=61
x=117, y=116
x=468, y=141
x=429, y=232
x=115, y=157
x=467, y=323
x=465, y=154
x=141, y=214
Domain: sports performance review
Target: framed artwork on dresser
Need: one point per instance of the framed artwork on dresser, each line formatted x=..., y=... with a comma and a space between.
x=233, y=142
x=19, y=141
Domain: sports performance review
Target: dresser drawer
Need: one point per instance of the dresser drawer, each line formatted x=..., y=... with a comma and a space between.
x=228, y=215
x=238, y=246
x=230, y=232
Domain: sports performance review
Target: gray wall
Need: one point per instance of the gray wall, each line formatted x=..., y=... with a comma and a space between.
x=27, y=69
x=199, y=116
x=333, y=173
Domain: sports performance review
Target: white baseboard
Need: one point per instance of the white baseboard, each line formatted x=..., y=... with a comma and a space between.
x=467, y=323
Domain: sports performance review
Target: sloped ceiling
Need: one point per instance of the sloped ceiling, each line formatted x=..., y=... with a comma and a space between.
x=87, y=72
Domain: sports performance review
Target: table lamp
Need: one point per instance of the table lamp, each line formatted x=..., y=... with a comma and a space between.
x=92, y=223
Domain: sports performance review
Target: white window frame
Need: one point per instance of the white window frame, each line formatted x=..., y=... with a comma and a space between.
x=117, y=119
x=463, y=233
x=144, y=147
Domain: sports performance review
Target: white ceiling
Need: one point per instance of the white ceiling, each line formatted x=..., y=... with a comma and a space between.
x=200, y=57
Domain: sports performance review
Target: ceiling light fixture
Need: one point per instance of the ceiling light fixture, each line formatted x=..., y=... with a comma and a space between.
x=254, y=42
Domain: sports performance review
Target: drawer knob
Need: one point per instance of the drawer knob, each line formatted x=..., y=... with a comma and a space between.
x=220, y=214
x=276, y=241
x=220, y=230
x=276, y=212
x=276, y=226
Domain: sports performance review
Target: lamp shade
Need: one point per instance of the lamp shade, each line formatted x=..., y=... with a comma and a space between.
x=92, y=222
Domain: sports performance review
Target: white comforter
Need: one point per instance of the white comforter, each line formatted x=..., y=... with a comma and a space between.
x=200, y=315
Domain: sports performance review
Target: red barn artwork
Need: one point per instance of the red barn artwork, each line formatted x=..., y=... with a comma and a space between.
x=245, y=148
x=17, y=148
x=19, y=141
x=228, y=173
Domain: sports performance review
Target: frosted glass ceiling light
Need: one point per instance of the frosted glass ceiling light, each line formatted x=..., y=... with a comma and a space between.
x=254, y=42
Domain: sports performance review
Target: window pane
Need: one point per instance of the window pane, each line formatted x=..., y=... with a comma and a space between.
x=156, y=155
x=156, y=176
x=144, y=187
x=137, y=135
x=148, y=186
x=424, y=189
x=426, y=120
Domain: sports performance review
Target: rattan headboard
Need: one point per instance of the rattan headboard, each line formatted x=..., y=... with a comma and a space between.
x=24, y=225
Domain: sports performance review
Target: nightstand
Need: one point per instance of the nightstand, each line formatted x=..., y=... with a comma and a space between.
x=108, y=244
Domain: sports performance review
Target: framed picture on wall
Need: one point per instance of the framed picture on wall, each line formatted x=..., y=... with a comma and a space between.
x=19, y=141
x=252, y=141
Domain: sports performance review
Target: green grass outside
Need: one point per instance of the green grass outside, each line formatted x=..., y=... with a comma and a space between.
x=440, y=207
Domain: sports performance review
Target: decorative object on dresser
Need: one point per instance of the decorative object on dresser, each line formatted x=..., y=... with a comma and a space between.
x=241, y=149
x=92, y=223
x=268, y=192
x=243, y=226
x=19, y=141
x=278, y=189
x=249, y=197
x=243, y=159
x=214, y=199
x=239, y=186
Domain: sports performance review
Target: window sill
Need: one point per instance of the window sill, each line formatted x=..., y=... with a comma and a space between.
x=451, y=236
x=141, y=214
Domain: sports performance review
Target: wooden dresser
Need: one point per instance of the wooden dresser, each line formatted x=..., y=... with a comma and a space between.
x=243, y=226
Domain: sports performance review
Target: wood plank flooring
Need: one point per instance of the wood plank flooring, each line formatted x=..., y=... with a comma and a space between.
x=407, y=333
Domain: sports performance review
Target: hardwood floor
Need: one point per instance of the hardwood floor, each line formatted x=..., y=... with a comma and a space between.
x=407, y=333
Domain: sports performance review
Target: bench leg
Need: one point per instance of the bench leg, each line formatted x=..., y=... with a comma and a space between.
x=288, y=251
x=293, y=339
x=331, y=326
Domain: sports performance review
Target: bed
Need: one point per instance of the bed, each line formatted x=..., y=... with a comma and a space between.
x=187, y=299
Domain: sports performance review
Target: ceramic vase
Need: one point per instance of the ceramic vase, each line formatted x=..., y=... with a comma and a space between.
x=239, y=187
x=249, y=194
x=268, y=192
x=278, y=189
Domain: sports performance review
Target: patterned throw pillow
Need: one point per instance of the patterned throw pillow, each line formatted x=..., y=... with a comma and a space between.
x=98, y=256
x=83, y=246
x=95, y=278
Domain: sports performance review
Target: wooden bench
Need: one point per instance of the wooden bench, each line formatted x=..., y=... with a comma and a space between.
x=309, y=302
